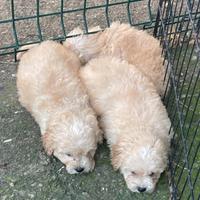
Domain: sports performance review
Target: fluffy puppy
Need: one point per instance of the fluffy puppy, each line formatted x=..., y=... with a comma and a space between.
x=133, y=117
x=137, y=47
x=50, y=89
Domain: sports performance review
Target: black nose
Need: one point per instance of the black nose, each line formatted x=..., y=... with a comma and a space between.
x=141, y=189
x=79, y=169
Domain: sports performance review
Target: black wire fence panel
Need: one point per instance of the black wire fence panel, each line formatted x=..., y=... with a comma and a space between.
x=181, y=49
x=176, y=23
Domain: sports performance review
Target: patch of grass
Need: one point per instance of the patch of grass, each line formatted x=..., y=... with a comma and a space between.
x=186, y=141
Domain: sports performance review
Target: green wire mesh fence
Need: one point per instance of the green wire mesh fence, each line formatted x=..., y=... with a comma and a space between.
x=176, y=23
x=181, y=48
x=63, y=10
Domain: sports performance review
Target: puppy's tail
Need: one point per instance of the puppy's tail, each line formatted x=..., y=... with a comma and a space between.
x=23, y=50
x=85, y=46
x=76, y=31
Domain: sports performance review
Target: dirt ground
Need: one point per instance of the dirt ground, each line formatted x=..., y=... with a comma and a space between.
x=26, y=172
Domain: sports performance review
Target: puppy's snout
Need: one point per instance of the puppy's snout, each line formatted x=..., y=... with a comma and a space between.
x=141, y=189
x=79, y=169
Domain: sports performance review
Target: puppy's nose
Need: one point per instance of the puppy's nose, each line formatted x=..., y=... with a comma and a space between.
x=79, y=169
x=141, y=189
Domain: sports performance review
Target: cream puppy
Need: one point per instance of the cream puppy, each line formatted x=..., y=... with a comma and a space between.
x=49, y=88
x=133, y=117
x=137, y=47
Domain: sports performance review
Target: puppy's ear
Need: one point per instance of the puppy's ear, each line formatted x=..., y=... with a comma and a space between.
x=162, y=146
x=163, y=149
x=116, y=157
x=47, y=143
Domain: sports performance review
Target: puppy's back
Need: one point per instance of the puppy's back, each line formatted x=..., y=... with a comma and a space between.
x=46, y=56
x=135, y=46
x=123, y=95
x=109, y=79
x=44, y=72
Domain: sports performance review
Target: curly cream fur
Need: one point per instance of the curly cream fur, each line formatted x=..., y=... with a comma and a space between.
x=49, y=88
x=137, y=47
x=133, y=117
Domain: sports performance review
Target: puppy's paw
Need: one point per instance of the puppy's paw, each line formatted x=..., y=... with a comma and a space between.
x=47, y=143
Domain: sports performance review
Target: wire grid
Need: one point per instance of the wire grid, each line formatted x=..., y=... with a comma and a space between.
x=61, y=13
x=18, y=29
x=180, y=40
x=177, y=26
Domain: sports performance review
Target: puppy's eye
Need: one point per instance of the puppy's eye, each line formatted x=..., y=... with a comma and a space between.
x=68, y=154
x=152, y=174
x=133, y=173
